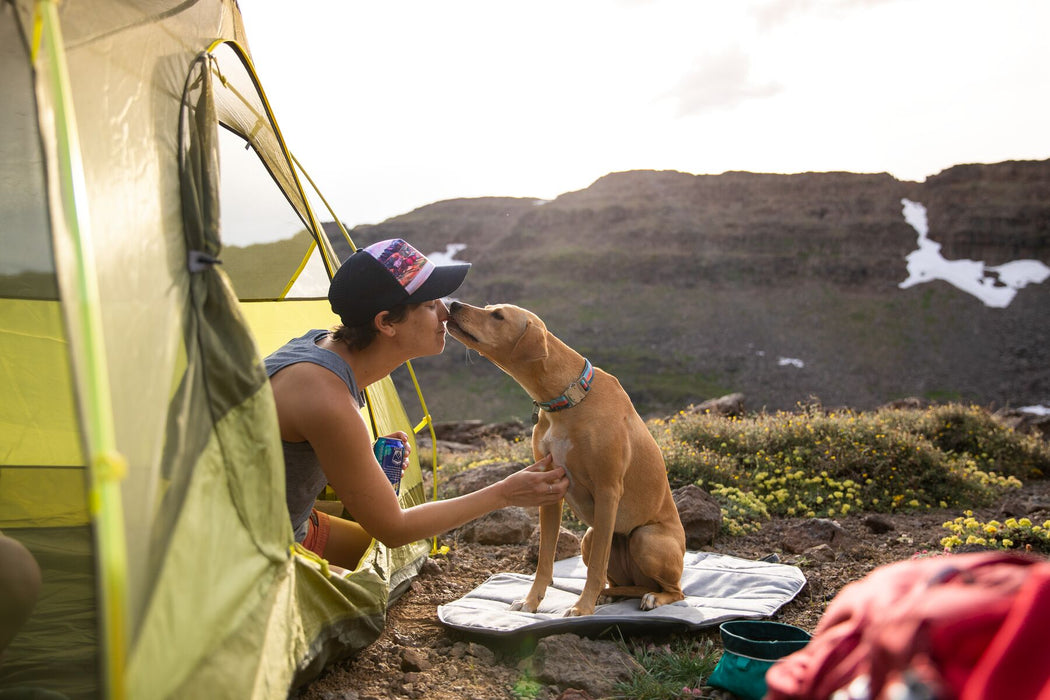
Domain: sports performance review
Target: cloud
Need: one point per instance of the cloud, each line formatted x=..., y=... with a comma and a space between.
x=776, y=13
x=720, y=82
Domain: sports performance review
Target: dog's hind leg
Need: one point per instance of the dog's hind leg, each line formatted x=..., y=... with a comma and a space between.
x=657, y=552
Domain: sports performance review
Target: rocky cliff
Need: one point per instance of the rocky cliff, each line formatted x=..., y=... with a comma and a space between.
x=783, y=287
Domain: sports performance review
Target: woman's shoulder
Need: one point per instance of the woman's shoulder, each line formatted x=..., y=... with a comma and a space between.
x=306, y=360
x=301, y=349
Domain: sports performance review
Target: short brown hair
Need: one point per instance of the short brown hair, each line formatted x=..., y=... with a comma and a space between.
x=360, y=336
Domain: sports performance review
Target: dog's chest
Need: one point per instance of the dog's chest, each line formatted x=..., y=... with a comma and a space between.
x=566, y=454
x=558, y=447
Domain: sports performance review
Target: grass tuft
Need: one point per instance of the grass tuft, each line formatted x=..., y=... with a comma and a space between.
x=677, y=669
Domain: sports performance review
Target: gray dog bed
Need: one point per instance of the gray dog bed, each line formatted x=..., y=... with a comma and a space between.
x=717, y=588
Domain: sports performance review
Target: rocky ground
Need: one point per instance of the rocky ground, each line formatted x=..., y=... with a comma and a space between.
x=417, y=657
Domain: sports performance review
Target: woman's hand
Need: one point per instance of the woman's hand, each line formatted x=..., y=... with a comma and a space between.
x=403, y=437
x=536, y=485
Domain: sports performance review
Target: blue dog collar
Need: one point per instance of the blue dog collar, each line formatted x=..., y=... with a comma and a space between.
x=574, y=393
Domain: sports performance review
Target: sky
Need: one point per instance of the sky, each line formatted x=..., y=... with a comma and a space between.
x=396, y=104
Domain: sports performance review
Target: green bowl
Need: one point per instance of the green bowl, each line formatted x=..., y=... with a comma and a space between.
x=761, y=639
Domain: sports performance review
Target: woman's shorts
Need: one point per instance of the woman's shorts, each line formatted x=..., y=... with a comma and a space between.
x=318, y=526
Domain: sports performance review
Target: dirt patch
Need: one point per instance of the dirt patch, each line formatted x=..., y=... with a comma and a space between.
x=417, y=657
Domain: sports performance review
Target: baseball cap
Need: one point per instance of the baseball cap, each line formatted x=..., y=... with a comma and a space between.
x=388, y=273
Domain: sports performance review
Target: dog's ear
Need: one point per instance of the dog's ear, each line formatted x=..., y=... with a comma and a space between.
x=532, y=345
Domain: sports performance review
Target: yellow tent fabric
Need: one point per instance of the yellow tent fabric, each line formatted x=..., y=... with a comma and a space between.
x=139, y=455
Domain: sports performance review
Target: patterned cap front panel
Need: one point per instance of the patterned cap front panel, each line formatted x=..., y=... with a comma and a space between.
x=406, y=264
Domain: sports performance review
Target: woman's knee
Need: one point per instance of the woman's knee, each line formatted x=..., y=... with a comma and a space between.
x=347, y=543
x=20, y=582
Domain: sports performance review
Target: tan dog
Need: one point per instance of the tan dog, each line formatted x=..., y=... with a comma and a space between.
x=618, y=481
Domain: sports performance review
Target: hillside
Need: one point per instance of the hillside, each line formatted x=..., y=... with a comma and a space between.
x=782, y=287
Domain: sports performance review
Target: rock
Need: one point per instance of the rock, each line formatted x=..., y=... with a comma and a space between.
x=967, y=548
x=910, y=403
x=1013, y=508
x=511, y=525
x=475, y=432
x=728, y=405
x=483, y=654
x=414, y=661
x=430, y=568
x=594, y=666
x=878, y=524
x=473, y=479
x=424, y=444
x=340, y=694
x=1025, y=422
x=813, y=532
x=1018, y=507
x=575, y=694
x=568, y=546
x=820, y=554
x=700, y=514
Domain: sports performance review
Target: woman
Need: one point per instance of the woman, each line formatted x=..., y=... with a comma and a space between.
x=389, y=299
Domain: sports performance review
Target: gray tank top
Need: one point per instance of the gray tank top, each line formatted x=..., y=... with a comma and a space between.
x=303, y=477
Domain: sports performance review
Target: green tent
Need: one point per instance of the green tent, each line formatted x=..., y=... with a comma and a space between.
x=139, y=457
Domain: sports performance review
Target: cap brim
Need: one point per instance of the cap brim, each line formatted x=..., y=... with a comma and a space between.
x=444, y=280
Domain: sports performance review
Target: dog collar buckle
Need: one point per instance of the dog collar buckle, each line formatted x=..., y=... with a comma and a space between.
x=574, y=393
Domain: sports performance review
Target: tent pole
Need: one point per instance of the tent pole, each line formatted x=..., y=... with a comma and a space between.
x=79, y=287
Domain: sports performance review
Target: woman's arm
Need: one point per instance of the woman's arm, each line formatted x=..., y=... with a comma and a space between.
x=527, y=487
x=332, y=422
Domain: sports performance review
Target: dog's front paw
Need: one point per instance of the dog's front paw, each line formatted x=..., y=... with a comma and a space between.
x=579, y=610
x=649, y=602
x=526, y=605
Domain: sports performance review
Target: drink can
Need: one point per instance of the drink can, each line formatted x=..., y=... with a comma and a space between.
x=390, y=453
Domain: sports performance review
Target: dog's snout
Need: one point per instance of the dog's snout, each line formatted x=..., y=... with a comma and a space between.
x=454, y=306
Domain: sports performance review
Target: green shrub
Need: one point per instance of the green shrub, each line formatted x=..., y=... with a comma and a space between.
x=816, y=463
x=742, y=512
x=1020, y=534
x=970, y=430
